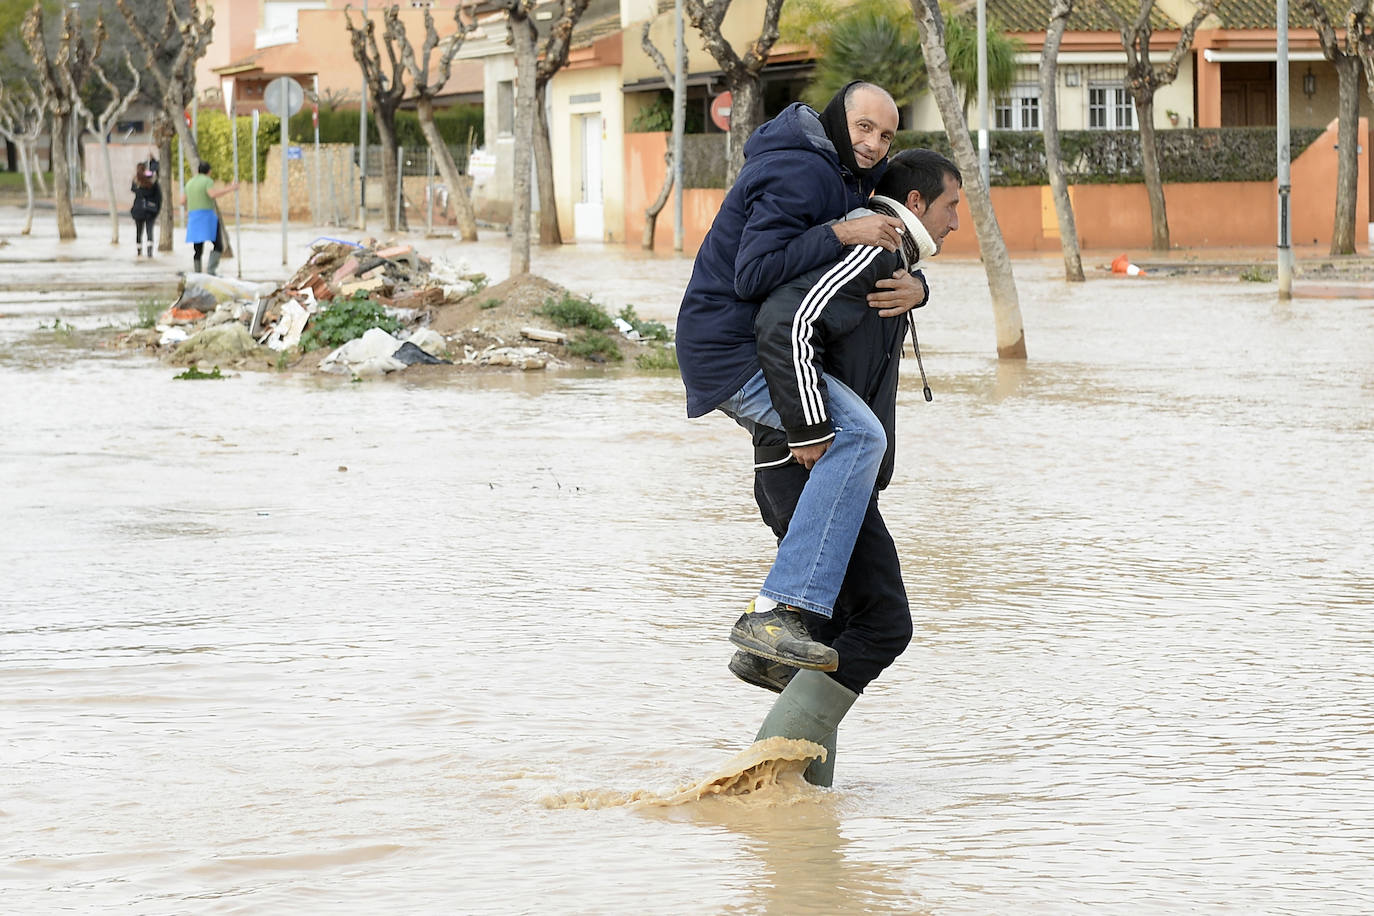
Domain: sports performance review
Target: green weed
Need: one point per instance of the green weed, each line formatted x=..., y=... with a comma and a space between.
x=345, y=320
x=193, y=374
x=595, y=346
x=1256, y=274
x=148, y=310
x=571, y=312
x=657, y=359
x=488, y=304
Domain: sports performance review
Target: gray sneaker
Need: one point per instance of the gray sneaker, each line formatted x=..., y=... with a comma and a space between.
x=760, y=671
x=780, y=635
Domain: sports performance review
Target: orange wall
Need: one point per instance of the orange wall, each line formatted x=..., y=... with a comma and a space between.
x=1205, y=215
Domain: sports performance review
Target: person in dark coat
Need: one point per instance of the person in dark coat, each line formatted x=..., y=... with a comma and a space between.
x=147, y=205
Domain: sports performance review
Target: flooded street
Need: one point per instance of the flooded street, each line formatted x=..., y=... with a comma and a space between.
x=295, y=644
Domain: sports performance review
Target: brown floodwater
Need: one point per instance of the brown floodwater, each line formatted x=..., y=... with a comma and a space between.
x=295, y=644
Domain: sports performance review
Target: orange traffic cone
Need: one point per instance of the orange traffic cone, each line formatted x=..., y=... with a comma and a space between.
x=1122, y=265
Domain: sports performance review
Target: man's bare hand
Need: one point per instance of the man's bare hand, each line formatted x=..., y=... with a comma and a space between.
x=808, y=455
x=875, y=229
x=898, y=295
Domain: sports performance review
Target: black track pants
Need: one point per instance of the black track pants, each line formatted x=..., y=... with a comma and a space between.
x=872, y=621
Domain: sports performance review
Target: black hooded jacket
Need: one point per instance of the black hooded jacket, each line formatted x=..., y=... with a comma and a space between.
x=821, y=322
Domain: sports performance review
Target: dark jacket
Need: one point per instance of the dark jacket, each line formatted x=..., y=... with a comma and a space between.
x=822, y=322
x=771, y=227
x=147, y=201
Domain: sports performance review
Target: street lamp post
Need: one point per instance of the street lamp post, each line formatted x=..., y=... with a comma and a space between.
x=1285, y=252
x=983, y=165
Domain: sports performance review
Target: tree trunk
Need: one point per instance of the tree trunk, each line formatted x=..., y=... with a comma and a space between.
x=1006, y=307
x=1347, y=154
x=165, y=222
x=1054, y=160
x=549, y=233
x=109, y=183
x=386, y=134
x=524, y=38
x=62, y=187
x=28, y=161
x=457, y=189
x=1149, y=162
x=652, y=211
x=746, y=113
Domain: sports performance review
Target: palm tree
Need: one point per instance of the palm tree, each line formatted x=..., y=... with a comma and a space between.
x=961, y=44
x=873, y=40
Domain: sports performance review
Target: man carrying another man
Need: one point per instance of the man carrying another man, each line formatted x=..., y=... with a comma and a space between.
x=785, y=215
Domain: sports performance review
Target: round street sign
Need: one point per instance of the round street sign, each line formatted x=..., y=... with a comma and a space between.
x=283, y=96
x=720, y=111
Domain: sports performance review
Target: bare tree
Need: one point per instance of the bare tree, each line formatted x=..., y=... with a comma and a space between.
x=56, y=74
x=741, y=73
x=425, y=91
x=170, y=56
x=552, y=57
x=332, y=99
x=1060, y=11
x=524, y=36
x=1344, y=54
x=102, y=125
x=386, y=88
x=652, y=211
x=1143, y=80
x=21, y=121
x=1006, y=306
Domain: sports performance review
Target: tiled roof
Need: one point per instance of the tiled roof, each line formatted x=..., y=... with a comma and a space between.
x=1087, y=16
x=1091, y=16
x=1259, y=14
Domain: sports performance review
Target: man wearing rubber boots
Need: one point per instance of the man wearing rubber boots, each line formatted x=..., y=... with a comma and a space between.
x=786, y=214
x=816, y=334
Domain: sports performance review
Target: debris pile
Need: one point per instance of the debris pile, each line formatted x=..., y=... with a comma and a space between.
x=368, y=309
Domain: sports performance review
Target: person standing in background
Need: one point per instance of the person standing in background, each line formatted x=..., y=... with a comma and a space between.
x=147, y=205
x=202, y=219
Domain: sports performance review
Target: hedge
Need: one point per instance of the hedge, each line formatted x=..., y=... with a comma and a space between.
x=1017, y=158
x=454, y=125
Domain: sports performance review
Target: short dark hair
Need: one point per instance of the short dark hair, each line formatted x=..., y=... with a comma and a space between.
x=922, y=170
x=204, y=167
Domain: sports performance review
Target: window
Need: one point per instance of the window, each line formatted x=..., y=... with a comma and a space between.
x=1110, y=108
x=505, y=108
x=1020, y=110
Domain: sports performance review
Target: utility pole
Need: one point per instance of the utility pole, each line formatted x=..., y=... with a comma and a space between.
x=1284, y=155
x=362, y=144
x=983, y=166
x=679, y=122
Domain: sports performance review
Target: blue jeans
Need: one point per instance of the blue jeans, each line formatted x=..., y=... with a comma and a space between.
x=814, y=554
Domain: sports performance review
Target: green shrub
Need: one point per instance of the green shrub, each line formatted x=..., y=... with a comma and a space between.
x=656, y=359
x=595, y=346
x=216, y=143
x=345, y=320
x=1256, y=274
x=571, y=312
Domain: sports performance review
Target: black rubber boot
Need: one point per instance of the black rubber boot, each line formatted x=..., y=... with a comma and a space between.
x=780, y=635
x=811, y=708
x=196, y=260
